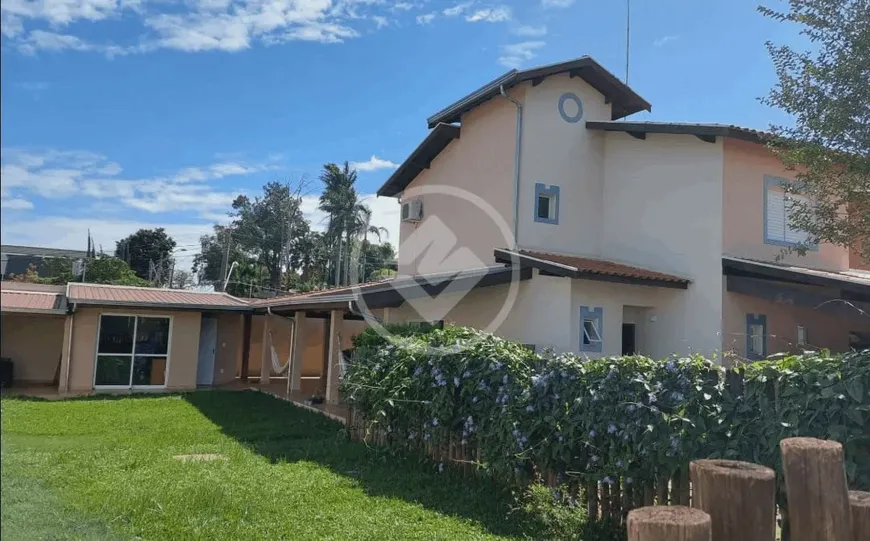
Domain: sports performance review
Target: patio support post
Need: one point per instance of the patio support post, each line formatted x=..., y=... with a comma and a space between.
x=63, y=375
x=386, y=316
x=336, y=322
x=266, y=353
x=246, y=345
x=298, y=352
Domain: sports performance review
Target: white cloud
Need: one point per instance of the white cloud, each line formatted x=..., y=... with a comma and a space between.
x=16, y=204
x=425, y=19
x=516, y=54
x=60, y=175
x=403, y=6
x=490, y=15
x=191, y=25
x=373, y=164
x=556, y=3
x=381, y=21
x=529, y=31
x=664, y=40
x=457, y=9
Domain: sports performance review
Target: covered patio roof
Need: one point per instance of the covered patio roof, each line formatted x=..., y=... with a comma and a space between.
x=853, y=284
x=32, y=302
x=392, y=293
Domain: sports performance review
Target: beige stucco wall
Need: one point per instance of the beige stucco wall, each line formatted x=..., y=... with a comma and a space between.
x=824, y=329
x=34, y=342
x=662, y=210
x=183, y=346
x=481, y=162
x=565, y=154
x=744, y=169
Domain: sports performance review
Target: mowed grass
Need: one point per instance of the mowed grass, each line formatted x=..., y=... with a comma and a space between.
x=104, y=468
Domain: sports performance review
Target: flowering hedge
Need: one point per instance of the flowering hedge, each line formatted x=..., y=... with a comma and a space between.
x=630, y=418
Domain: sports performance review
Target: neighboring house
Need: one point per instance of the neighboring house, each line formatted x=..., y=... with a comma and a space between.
x=18, y=259
x=647, y=237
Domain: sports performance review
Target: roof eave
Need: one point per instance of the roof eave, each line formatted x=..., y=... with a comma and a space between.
x=158, y=306
x=411, y=167
x=52, y=311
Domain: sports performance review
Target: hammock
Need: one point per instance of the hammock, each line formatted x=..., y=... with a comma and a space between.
x=277, y=369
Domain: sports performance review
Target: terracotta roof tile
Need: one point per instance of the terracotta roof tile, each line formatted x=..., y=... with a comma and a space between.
x=128, y=295
x=27, y=301
x=584, y=265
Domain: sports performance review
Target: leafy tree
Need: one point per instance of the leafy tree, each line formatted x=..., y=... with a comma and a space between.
x=208, y=264
x=378, y=257
x=182, y=279
x=827, y=92
x=97, y=270
x=143, y=247
x=382, y=274
x=30, y=276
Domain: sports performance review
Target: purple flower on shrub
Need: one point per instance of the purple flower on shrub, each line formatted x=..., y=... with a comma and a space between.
x=434, y=421
x=474, y=400
x=530, y=407
x=504, y=379
x=412, y=435
x=418, y=371
x=652, y=398
x=607, y=480
x=556, y=397
x=456, y=381
x=628, y=480
x=670, y=366
x=619, y=464
x=594, y=458
x=677, y=397
x=441, y=468
x=427, y=436
x=611, y=429
x=631, y=408
x=516, y=433
x=466, y=374
x=591, y=433
x=561, y=438
x=653, y=409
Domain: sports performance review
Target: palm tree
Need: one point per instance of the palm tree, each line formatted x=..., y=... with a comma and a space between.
x=364, y=227
x=340, y=202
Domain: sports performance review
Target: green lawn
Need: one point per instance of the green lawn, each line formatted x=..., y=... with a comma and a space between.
x=104, y=468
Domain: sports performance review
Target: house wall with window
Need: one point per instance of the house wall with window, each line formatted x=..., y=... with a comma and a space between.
x=781, y=321
x=662, y=210
x=560, y=156
x=182, y=354
x=480, y=162
x=745, y=168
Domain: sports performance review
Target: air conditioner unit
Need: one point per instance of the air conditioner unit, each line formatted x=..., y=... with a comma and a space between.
x=412, y=211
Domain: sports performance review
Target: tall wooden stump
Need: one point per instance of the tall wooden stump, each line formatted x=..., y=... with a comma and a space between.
x=815, y=484
x=740, y=498
x=673, y=523
x=860, y=504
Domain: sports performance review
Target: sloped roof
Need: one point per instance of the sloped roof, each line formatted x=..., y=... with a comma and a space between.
x=854, y=280
x=707, y=132
x=624, y=100
x=109, y=295
x=591, y=269
x=38, y=251
x=34, y=302
x=421, y=158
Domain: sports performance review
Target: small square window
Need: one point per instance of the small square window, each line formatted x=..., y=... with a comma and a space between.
x=591, y=320
x=546, y=204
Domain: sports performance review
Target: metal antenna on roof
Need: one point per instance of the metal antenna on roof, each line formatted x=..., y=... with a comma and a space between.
x=627, y=37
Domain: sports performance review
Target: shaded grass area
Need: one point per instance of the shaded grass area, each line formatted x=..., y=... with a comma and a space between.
x=105, y=469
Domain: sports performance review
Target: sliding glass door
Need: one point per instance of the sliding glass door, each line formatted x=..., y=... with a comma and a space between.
x=132, y=352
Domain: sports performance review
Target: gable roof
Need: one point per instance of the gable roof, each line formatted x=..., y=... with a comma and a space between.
x=420, y=159
x=624, y=100
x=705, y=132
x=109, y=295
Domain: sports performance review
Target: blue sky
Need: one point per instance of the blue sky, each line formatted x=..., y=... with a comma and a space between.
x=119, y=114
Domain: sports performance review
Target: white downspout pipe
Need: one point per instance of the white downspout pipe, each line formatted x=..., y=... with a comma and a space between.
x=519, y=139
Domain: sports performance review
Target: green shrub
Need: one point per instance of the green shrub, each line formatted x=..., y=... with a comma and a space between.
x=631, y=418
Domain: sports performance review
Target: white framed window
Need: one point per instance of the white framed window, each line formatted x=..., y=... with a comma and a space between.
x=591, y=325
x=778, y=207
x=801, y=335
x=756, y=336
x=132, y=351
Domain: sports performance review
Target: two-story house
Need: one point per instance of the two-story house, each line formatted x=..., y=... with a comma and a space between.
x=656, y=238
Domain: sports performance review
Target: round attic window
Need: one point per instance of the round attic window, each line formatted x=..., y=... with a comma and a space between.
x=570, y=107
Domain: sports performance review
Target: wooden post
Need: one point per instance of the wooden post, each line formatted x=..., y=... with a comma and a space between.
x=815, y=484
x=333, y=369
x=266, y=352
x=592, y=500
x=246, y=345
x=740, y=498
x=296, y=356
x=860, y=504
x=668, y=523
